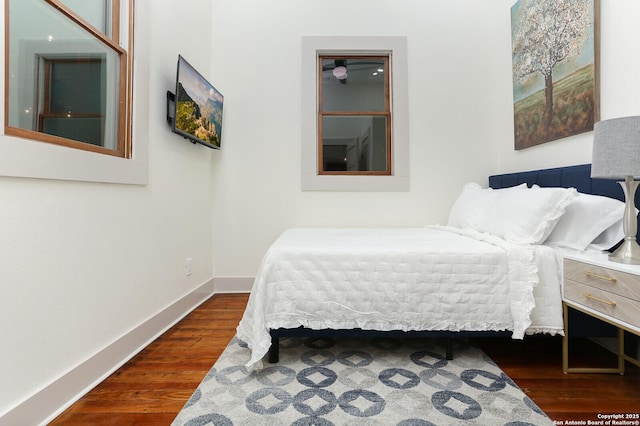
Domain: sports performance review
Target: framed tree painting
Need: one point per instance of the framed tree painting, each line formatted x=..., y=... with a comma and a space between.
x=555, y=69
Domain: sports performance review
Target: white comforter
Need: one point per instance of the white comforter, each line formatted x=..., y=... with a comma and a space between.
x=433, y=278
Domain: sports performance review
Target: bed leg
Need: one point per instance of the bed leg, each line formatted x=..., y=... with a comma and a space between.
x=274, y=350
x=448, y=342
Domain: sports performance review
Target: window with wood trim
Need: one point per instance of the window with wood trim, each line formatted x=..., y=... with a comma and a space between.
x=354, y=115
x=68, y=73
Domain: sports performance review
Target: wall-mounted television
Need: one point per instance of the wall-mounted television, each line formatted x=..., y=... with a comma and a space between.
x=194, y=111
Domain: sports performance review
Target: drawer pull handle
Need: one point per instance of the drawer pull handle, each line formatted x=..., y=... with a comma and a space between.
x=606, y=302
x=602, y=277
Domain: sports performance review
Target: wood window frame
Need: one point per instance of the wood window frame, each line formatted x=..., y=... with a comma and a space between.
x=124, y=101
x=386, y=114
x=396, y=47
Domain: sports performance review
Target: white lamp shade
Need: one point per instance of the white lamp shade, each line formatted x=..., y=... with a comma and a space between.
x=616, y=148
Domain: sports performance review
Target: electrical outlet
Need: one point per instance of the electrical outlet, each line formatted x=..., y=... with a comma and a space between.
x=188, y=265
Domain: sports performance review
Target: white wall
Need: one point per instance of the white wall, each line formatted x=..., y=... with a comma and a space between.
x=81, y=264
x=619, y=89
x=461, y=110
x=257, y=55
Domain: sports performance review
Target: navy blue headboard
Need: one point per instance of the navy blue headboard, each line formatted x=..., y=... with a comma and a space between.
x=578, y=177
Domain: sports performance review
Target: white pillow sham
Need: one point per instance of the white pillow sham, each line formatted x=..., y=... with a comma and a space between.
x=469, y=208
x=587, y=218
x=472, y=205
x=528, y=216
x=609, y=238
x=518, y=214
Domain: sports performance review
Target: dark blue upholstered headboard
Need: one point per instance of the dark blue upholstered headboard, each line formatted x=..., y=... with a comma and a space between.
x=578, y=177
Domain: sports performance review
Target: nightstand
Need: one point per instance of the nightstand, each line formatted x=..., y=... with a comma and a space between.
x=605, y=290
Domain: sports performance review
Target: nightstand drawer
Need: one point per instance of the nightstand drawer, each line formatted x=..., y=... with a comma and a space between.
x=616, y=306
x=620, y=283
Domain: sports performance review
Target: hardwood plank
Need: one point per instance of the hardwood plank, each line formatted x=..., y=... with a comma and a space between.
x=155, y=385
x=129, y=419
x=535, y=365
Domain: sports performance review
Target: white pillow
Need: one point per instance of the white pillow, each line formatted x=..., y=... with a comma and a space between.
x=470, y=208
x=517, y=214
x=609, y=238
x=587, y=218
x=527, y=215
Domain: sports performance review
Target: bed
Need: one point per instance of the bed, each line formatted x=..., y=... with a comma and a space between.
x=489, y=270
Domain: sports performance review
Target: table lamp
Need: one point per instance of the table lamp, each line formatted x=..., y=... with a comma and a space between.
x=616, y=155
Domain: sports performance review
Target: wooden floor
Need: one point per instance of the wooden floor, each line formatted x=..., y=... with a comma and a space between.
x=152, y=388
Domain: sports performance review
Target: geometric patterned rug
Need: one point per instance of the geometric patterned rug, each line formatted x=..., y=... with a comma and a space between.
x=380, y=381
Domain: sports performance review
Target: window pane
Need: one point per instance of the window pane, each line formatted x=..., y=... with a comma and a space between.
x=39, y=36
x=353, y=84
x=354, y=143
x=76, y=86
x=85, y=129
x=74, y=108
x=96, y=12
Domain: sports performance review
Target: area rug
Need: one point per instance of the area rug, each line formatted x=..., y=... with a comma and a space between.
x=326, y=381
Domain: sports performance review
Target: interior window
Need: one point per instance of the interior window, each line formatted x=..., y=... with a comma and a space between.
x=96, y=12
x=73, y=107
x=354, y=115
x=392, y=50
x=69, y=77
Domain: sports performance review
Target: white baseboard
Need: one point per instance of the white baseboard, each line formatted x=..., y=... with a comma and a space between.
x=232, y=284
x=51, y=401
